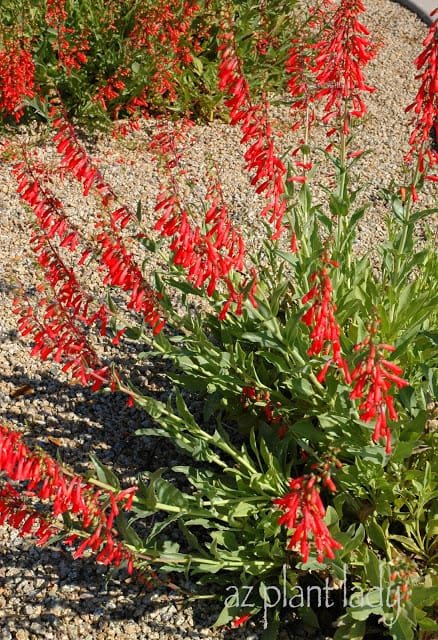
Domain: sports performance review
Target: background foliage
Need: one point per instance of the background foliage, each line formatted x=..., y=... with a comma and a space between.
x=111, y=59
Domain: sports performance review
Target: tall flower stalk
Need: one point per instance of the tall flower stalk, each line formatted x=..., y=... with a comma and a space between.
x=325, y=332
x=61, y=323
x=262, y=159
x=212, y=250
x=330, y=72
x=271, y=429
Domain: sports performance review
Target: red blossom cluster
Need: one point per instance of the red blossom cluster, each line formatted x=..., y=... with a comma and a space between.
x=323, y=470
x=60, y=324
x=69, y=46
x=300, y=83
x=161, y=32
x=46, y=480
x=57, y=323
x=304, y=513
x=401, y=583
x=75, y=160
x=47, y=208
x=122, y=270
x=17, y=76
x=170, y=141
x=270, y=410
x=211, y=250
x=325, y=334
x=206, y=257
x=344, y=48
x=110, y=89
x=209, y=256
x=27, y=520
x=425, y=105
x=330, y=70
x=373, y=378
x=261, y=157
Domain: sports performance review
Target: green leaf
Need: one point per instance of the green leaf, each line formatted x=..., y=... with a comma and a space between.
x=423, y=596
x=197, y=64
x=363, y=613
x=158, y=527
x=138, y=211
x=408, y=543
x=332, y=518
x=241, y=510
x=432, y=336
x=305, y=197
x=402, y=628
x=398, y=209
x=427, y=624
x=338, y=206
x=272, y=629
x=373, y=568
x=264, y=339
x=377, y=536
x=422, y=214
x=127, y=532
x=104, y=474
x=353, y=543
x=276, y=359
x=350, y=630
x=309, y=617
x=432, y=527
x=168, y=494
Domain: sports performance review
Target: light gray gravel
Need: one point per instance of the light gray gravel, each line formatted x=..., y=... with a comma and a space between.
x=44, y=593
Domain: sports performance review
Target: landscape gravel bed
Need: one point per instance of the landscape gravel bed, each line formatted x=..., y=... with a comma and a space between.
x=44, y=593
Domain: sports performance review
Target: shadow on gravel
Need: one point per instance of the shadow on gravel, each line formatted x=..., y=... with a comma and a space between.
x=53, y=590
x=72, y=421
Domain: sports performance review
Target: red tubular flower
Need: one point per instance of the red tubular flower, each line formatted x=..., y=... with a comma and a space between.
x=17, y=514
x=237, y=622
x=47, y=480
x=261, y=157
x=325, y=334
x=304, y=513
x=48, y=209
x=58, y=323
x=269, y=409
x=208, y=256
x=373, y=378
x=425, y=105
x=342, y=52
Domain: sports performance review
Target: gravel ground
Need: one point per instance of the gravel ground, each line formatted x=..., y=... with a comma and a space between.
x=44, y=593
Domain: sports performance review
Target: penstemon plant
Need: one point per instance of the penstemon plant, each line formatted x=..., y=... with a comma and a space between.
x=310, y=488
